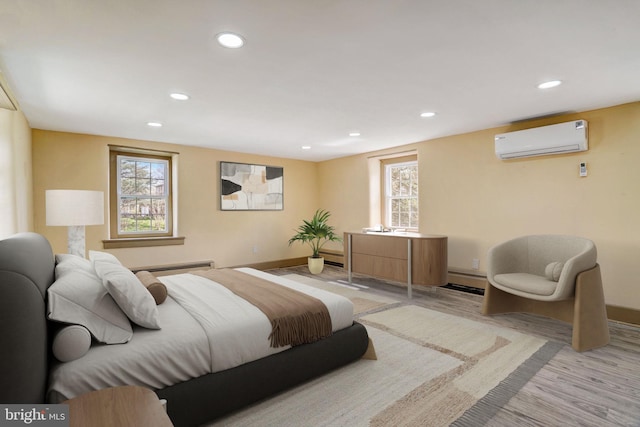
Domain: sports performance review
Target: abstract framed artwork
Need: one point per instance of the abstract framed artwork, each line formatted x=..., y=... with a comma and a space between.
x=247, y=187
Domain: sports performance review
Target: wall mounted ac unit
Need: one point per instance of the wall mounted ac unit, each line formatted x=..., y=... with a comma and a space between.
x=554, y=139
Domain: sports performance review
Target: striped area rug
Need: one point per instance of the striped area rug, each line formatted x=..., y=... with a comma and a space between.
x=432, y=369
x=495, y=363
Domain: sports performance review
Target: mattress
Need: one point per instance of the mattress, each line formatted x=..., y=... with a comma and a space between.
x=205, y=328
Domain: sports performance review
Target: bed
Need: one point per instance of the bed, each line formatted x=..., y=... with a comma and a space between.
x=196, y=392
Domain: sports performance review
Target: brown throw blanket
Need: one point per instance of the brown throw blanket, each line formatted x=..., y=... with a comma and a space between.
x=296, y=318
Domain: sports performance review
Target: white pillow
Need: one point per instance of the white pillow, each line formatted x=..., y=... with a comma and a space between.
x=127, y=290
x=103, y=256
x=71, y=343
x=78, y=297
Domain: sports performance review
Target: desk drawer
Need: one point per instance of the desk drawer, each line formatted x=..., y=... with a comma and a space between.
x=384, y=268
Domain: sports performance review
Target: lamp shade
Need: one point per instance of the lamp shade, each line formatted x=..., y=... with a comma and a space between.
x=75, y=207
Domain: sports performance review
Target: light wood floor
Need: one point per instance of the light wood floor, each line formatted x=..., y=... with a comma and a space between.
x=596, y=388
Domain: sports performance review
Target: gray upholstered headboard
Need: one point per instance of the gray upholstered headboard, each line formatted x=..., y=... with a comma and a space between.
x=27, y=268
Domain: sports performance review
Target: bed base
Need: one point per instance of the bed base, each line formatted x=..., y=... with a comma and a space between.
x=212, y=396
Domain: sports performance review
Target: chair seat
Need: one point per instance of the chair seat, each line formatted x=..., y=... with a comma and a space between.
x=527, y=283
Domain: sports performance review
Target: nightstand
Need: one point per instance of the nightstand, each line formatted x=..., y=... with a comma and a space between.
x=118, y=406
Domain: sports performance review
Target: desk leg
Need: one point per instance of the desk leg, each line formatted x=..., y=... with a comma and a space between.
x=409, y=268
x=349, y=257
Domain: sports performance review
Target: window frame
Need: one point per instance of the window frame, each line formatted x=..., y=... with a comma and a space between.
x=114, y=194
x=387, y=164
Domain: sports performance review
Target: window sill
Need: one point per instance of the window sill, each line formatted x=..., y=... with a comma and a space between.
x=142, y=242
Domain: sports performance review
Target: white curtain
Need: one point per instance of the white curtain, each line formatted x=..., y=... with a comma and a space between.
x=16, y=189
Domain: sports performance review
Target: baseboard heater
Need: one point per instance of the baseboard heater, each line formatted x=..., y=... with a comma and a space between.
x=332, y=257
x=160, y=270
x=463, y=288
x=471, y=278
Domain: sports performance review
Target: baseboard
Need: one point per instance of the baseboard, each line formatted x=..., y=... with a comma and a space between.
x=280, y=263
x=623, y=314
x=330, y=257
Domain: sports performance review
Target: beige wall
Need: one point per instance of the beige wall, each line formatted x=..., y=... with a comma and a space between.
x=477, y=200
x=466, y=194
x=74, y=161
x=16, y=201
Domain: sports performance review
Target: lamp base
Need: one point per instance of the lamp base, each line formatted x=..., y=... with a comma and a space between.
x=75, y=240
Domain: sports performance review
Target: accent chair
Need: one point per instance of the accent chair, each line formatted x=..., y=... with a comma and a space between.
x=551, y=275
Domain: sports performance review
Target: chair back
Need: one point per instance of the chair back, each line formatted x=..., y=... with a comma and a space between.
x=545, y=249
x=532, y=254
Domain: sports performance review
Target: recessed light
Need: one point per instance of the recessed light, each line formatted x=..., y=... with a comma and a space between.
x=549, y=84
x=179, y=96
x=427, y=114
x=306, y=147
x=154, y=124
x=230, y=40
x=354, y=133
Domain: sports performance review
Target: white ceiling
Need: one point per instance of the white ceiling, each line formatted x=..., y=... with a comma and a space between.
x=312, y=71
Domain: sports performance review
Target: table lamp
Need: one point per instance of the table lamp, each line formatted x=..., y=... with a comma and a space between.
x=75, y=209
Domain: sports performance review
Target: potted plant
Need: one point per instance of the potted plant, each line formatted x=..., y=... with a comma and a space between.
x=316, y=233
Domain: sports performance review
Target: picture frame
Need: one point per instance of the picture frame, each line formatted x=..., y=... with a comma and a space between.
x=251, y=187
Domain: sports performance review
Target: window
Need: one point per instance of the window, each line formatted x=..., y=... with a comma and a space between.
x=401, y=194
x=140, y=196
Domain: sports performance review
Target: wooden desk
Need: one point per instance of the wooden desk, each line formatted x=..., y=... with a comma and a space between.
x=413, y=258
x=126, y=406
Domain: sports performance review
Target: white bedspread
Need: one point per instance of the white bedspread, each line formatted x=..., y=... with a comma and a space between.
x=153, y=358
x=205, y=328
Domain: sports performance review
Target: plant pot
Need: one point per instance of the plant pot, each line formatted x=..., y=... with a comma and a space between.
x=315, y=265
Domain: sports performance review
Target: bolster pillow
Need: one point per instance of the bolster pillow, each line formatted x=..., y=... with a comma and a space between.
x=156, y=288
x=71, y=343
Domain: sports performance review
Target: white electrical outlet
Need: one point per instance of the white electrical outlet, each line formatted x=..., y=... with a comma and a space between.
x=475, y=263
x=255, y=249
